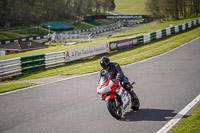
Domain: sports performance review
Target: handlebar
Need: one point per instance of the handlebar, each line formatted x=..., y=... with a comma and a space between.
x=133, y=83
x=115, y=80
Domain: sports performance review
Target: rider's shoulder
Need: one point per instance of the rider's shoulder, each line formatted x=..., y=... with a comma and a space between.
x=113, y=63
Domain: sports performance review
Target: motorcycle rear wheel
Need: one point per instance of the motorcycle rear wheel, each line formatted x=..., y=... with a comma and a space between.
x=114, y=108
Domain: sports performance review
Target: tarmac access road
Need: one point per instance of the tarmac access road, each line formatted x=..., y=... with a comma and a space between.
x=164, y=85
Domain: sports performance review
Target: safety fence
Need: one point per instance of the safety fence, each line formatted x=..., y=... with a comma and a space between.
x=9, y=68
x=70, y=34
x=17, y=66
x=32, y=63
x=97, y=29
x=23, y=39
x=84, y=34
x=54, y=59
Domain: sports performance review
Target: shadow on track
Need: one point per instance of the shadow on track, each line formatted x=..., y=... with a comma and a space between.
x=149, y=115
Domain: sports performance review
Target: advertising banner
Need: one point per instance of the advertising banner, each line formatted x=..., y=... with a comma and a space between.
x=83, y=52
x=122, y=44
x=116, y=17
x=125, y=16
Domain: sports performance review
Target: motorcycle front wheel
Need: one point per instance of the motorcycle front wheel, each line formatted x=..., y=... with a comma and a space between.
x=114, y=108
x=135, y=103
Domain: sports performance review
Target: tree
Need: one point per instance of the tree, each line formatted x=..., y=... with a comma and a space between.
x=19, y=12
x=172, y=9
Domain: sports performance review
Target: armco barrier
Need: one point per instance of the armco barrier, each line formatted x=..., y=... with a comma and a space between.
x=95, y=30
x=54, y=59
x=168, y=31
x=164, y=34
x=18, y=66
x=147, y=38
x=153, y=36
x=172, y=30
x=32, y=63
x=10, y=68
x=158, y=34
x=140, y=39
x=22, y=39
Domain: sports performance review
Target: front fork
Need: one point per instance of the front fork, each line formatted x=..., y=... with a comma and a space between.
x=113, y=96
x=117, y=105
x=116, y=102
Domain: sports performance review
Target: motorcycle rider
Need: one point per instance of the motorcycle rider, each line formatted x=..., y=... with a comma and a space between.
x=114, y=70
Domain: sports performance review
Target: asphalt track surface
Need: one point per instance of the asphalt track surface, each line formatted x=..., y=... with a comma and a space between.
x=164, y=85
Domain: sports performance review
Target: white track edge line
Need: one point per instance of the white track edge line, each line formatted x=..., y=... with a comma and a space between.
x=97, y=71
x=178, y=117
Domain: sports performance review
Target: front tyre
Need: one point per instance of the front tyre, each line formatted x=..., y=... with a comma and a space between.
x=114, y=108
x=135, y=103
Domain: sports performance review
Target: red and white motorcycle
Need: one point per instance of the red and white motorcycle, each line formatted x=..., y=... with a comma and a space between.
x=116, y=97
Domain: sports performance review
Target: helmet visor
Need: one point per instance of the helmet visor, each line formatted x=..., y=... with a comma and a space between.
x=103, y=65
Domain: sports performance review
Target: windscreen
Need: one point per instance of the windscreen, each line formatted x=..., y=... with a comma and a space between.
x=103, y=79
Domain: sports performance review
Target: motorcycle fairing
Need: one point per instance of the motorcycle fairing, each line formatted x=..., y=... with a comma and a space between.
x=125, y=97
x=106, y=87
x=110, y=96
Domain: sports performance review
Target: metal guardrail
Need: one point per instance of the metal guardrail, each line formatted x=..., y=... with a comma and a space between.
x=70, y=34
x=10, y=68
x=32, y=63
x=147, y=38
x=17, y=66
x=154, y=35
x=23, y=39
x=80, y=34
x=54, y=59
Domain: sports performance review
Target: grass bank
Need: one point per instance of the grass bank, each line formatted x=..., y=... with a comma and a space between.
x=147, y=28
x=190, y=124
x=152, y=27
x=30, y=31
x=11, y=87
x=20, y=33
x=123, y=57
x=131, y=7
x=84, y=25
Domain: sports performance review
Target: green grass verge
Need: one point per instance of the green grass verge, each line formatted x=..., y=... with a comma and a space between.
x=11, y=87
x=152, y=27
x=148, y=28
x=84, y=25
x=18, y=32
x=14, y=34
x=123, y=57
x=131, y=7
x=190, y=124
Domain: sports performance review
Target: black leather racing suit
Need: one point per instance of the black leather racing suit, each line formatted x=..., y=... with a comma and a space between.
x=115, y=72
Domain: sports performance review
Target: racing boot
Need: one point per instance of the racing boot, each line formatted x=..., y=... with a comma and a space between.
x=133, y=96
x=135, y=101
x=129, y=88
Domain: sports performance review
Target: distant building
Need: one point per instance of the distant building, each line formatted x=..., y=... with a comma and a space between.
x=18, y=47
